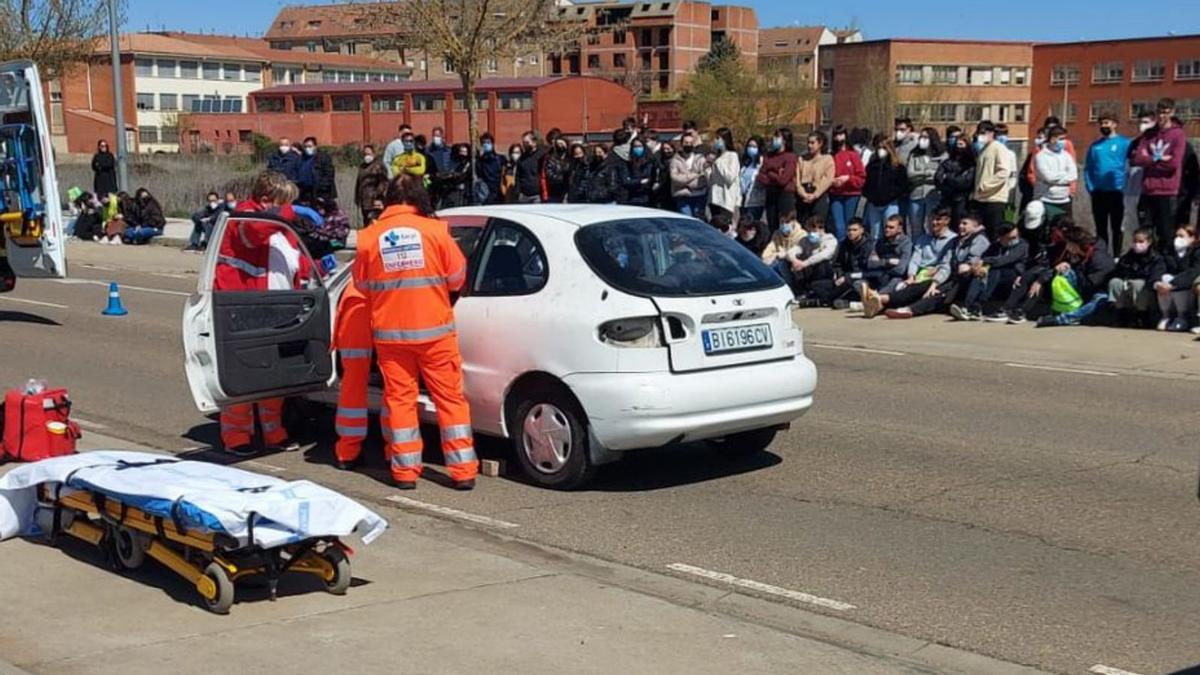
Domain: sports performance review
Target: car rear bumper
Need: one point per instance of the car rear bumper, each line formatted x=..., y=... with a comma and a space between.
x=629, y=411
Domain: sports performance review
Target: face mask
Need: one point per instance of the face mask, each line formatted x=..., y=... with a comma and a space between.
x=814, y=237
x=748, y=235
x=213, y=205
x=1141, y=246
x=310, y=151
x=952, y=138
x=923, y=143
x=786, y=229
x=901, y=135
x=1105, y=131
x=1146, y=126
x=777, y=144
x=285, y=149
x=980, y=143
x=488, y=147
x=516, y=156
x=719, y=146
x=881, y=153
x=1002, y=140
x=437, y=141
x=687, y=149
x=1182, y=244
x=367, y=159
x=1059, y=146
x=752, y=151
x=639, y=152
x=408, y=146
x=1039, y=141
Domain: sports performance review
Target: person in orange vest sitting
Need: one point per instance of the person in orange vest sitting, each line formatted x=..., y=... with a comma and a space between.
x=260, y=256
x=407, y=266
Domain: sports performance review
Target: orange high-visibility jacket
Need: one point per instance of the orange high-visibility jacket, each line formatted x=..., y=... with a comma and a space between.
x=407, y=266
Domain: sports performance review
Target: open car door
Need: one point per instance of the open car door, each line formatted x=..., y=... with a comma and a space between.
x=31, y=219
x=260, y=323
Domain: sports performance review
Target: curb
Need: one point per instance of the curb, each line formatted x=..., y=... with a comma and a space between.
x=7, y=668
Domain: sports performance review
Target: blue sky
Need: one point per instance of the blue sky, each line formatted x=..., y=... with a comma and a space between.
x=1009, y=20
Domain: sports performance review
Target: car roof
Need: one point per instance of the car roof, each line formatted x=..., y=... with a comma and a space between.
x=575, y=214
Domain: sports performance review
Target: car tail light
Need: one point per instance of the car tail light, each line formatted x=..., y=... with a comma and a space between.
x=642, y=331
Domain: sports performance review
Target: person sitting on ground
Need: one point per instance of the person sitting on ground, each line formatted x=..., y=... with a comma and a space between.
x=753, y=235
x=996, y=273
x=203, y=221
x=812, y=264
x=1132, y=287
x=88, y=223
x=966, y=258
x=1174, y=289
x=851, y=266
x=722, y=221
x=112, y=213
x=888, y=267
x=1030, y=297
x=146, y=221
x=928, y=269
x=776, y=254
x=1086, y=266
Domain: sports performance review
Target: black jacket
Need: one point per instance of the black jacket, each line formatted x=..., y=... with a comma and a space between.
x=147, y=213
x=324, y=185
x=853, y=258
x=529, y=173
x=955, y=179
x=886, y=183
x=641, y=178
x=1092, y=271
x=606, y=181
x=1184, y=268
x=1013, y=257
x=558, y=175
x=104, y=165
x=756, y=245
x=577, y=183
x=1148, y=266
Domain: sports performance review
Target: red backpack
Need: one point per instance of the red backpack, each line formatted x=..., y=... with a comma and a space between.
x=37, y=426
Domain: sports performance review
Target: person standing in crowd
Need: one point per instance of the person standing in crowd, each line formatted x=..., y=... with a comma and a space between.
x=439, y=151
x=509, y=193
x=454, y=182
x=1056, y=172
x=1104, y=178
x=991, y=178
x=1160, y=154
x=577, y=183
x=489, y=166
x=370, y=183
x=849, y=176
x=860, y=141
x=285, y=160
x=558, y=167
x=1189, y=185
x=1026, y=179
x=887, y=267
x=317, y=175
x=1132, y=285
x=689, y=177
x=104, y=171
x=203, y=222
x=1010, y=161
x=905, y=139
x=1176, y=300
x=966, y=259
x=814, y=177
x=997, y=272
x=1040, y=144
x=1135, y=212
x=725, y=177
x=922, y=167
x=641, y=175
x=928, y=269
x=529, y=170
x=606, y=183
x=409, y=161
x=778, y=176
x=955, y=178
x=395, y=148
x=886, y=184
x=665, y=198
x=753, y=194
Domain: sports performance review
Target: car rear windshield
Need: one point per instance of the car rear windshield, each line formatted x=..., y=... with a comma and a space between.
x=671, y=257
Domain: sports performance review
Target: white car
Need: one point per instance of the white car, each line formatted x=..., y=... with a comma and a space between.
x=586, y=332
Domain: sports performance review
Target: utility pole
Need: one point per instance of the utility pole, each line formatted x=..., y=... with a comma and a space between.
x=114, y=36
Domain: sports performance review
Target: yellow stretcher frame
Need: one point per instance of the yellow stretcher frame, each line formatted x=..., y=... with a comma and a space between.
x=132, y=534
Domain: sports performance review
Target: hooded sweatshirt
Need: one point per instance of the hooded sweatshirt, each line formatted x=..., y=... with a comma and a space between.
x=1162, y=173
x=1055, y=171
x=933, y=252
x=781, y=245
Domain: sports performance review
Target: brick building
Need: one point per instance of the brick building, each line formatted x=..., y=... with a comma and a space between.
x=167, y=77
x=658, y=48
x=341, y=113
x=1119, y=77
x=935, y=82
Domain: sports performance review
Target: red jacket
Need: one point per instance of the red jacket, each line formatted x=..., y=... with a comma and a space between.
x=848, y=163
x=779, y=170
x=244, y=256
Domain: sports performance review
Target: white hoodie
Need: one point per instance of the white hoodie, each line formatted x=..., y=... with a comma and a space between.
x=1055, y=172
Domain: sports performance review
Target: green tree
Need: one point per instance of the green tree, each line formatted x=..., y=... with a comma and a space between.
x=749, y=104
x=54, y=34
x=723, y=55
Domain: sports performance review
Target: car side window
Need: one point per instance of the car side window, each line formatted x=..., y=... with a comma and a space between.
x=513, y=262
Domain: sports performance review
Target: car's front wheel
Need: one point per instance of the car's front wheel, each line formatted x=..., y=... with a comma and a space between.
x=550, y=439
x=746, y=443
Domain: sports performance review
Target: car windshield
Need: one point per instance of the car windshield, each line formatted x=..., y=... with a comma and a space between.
x=671, y=257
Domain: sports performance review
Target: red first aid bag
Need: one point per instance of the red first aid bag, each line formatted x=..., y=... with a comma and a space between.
x=37, y=426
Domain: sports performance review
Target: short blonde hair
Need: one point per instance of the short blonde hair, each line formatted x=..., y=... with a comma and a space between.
x=268, y=185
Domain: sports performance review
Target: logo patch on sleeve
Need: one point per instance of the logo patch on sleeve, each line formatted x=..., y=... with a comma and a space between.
x=402, y=249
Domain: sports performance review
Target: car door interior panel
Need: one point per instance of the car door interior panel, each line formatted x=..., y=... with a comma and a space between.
x=272, y=340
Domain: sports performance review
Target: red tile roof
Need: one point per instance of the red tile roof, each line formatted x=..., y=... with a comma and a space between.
x=314, y=22
x=241, y=49
x=800, y=39
x=498, y=84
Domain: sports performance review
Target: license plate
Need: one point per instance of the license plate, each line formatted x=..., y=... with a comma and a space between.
x=741, y=338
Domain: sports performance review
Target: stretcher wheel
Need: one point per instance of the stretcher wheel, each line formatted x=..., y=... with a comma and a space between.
x=340, y=582
x=224, y=598
x=129, y=547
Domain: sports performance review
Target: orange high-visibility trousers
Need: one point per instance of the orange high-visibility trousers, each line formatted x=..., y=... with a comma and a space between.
x=352, y=339
x=439, y=364
x=237, y=423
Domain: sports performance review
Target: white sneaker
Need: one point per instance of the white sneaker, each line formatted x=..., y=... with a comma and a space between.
x=1162, y=325
x=1196, y=329
x=96, y=238
x=118, y=242
x=856, y=307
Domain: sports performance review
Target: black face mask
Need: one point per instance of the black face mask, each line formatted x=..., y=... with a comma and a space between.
x=1105, y=131
x=686, y=150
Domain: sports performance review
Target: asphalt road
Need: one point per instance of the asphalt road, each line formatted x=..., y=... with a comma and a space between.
x=1045, y=518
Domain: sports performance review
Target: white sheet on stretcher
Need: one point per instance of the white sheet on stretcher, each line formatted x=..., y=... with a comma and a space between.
x=211, y=497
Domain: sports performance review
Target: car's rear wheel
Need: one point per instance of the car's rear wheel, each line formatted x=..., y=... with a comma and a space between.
x=746, y=443
x=550, y=439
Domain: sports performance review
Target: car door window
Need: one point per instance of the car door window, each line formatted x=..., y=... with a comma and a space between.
x=513, y=262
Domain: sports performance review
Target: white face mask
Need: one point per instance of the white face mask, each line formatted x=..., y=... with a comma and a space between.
x=901, y=135
x=515, y=156
x=923, y=143
x=213, y=205
x=232, y=203
x=881, y=153
x=285, y=149
x=1182, y=244
x=1141, y=246
x=1146, y=126
x=367, y=159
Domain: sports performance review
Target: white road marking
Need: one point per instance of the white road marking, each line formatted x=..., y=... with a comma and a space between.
x=265, y=467
x=1053, y=369
x=452, y=513
x=124, y=287
x=88, y=424
x=864, y=350
x=761, y=587
x=39, y=303
x=1101, y=669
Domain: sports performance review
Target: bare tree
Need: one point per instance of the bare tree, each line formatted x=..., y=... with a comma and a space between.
x=54, y=34
x=876, y=100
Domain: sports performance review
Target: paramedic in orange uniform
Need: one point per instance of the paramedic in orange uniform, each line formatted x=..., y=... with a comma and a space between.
x=245, y=262
x=407, y=266
x=352, y=340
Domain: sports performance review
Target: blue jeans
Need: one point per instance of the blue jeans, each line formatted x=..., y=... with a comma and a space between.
x=877, y=215
x=692, y=207
x=1098, y=301
x=841, y=210
x=202, y=224
x=140, y=234
x=920, y=211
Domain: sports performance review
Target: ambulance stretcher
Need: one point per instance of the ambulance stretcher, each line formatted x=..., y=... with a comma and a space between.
x=212, y=525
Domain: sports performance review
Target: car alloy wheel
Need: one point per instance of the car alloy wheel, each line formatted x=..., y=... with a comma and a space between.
x=546, y=438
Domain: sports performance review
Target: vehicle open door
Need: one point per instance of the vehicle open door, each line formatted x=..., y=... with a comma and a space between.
x=260, y=323
x=31, y=219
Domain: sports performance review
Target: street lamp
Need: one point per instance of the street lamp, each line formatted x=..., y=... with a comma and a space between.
x=114, y=37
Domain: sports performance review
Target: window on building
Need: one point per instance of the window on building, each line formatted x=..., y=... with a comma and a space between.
x=647, y=37
x=230, y=105
x=1067, y=115
x=664, y=82
x=387, y=103
x=534, y=59
x=347, y=103
x=351, y=47
x=910, y=74
x=943, y=112
x=58, y=124
x=619, y=37
x=1149, y=70
x=253, y=73
x=166, y=67
x=1098, y=108
x=521, y=100
x=827, y=78
x=979, y=76
x=279, y=75
x=1003, y=113
x=593, y=61
x=190, y=102
x=428, y=102
x=826, y=114
x=145, y=101
x=664, y=36
x=912, y=111
x=212, y=71
x=143, y=67
x=973, y=112
x=189, y=70
x=1187, y=69
x=147, y=134
x=664, y=60
x=1020, y=112
x=646, y=60
x=360, y=76
x=329, y=76
x=168, y=102
x=233, y=71
x=170, y=135
x=308, y=104
x=1112, y=71
x=573, y=65
x=619, y=61
x=481, y=102
x=245, y=135
x=447, y=66
x=1136, y=108
x=209, y=104
x=945, y=74
x=1020, y=76
x=1005, y=77
x=269, y=104
x=1064, y=74
x=593, y=39
x=1187, y=109
x=311, y=47
x=491, y=65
